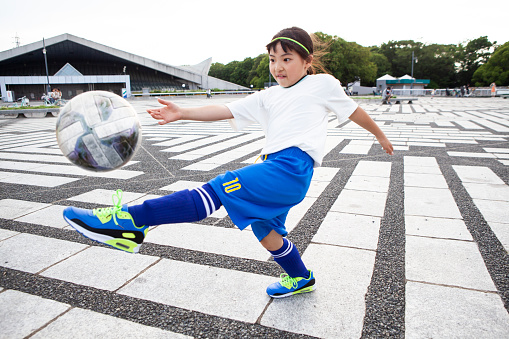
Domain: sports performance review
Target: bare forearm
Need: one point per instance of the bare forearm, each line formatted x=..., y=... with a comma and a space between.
x=206, y=113
x=361, y=118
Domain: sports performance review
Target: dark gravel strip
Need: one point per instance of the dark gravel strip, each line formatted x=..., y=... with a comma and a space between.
x=385, y=300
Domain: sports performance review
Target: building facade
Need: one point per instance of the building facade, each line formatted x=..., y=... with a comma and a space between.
x=76, y=65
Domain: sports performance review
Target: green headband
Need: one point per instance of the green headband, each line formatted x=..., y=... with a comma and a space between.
x=298, y=43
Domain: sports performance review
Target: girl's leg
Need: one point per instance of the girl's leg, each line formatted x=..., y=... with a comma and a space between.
x=297, y=278
x=285, y=254
x=125, y=227
x=183, y=206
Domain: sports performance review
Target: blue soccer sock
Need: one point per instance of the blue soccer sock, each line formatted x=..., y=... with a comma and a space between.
x=289, y=259
x=183, y=206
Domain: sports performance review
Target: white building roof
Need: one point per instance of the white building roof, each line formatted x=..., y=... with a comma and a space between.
x=387, y=77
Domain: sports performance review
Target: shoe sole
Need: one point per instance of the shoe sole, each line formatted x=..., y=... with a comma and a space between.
x=120, y=244
x=302, y=290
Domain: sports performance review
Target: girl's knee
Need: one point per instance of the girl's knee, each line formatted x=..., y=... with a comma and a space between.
x=273, y=241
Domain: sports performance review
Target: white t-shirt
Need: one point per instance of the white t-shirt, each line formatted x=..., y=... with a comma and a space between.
x=296, y=116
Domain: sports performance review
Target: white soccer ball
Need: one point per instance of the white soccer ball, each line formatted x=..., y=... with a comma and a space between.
x=98, y=131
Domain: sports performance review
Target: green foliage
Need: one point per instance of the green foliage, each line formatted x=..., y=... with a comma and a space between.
x=472, y=56
x=383, y=65
x=445, y=65
x=495, y=70
x=348, y=60
x=7, y=108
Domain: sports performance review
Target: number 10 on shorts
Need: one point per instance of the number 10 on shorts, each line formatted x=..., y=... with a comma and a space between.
x=231, y=186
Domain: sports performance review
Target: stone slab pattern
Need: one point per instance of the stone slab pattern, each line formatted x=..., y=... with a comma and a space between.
x=341, y=253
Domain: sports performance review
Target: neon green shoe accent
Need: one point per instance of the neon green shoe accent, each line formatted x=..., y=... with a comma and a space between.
x=305, y=290
x=289, y=282
x=123, y=244
x=128, y=235
x=105, y=214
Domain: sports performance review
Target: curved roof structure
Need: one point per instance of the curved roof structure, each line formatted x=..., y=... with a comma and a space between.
x=93, y=59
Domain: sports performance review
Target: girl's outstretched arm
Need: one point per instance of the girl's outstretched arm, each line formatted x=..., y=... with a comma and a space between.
x=171, y=112
x=361, y=118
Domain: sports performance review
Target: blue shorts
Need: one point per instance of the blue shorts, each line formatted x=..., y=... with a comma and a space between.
x=261, y=194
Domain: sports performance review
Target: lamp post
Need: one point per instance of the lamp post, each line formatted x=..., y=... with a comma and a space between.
x=412, y=73
x=48, y=88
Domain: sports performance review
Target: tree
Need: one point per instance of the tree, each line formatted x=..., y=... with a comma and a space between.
x=347, y=60
x=437, y=63
x=262, y=72
x=434, y=62
x=381, y=62
x=470, y=57
x=495, y=70
x=399, y=53
x=217, y=70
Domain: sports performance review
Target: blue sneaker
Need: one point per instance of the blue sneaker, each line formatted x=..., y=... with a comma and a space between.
x=113, y=226
x=289, y=286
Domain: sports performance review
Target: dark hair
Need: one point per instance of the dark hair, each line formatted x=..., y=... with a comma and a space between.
x=302, y=37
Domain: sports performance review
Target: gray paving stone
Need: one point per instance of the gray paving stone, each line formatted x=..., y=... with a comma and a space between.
x=368, y=183
x=4, y=234
x=22, y=314
x=102, y=268
x=360, y=202
x=32, y=253
x=225, y=293
x=488, y=191
x=437, y=228
x=204, y=238
x=50, y=216
x=431, y=202
x=443, y=312
x=425, y=180
x=493, y=210
x=80, y=323
x=446, y=262
x=477, y=174
x=105, y=197
x=14, y=208
x=350, y=230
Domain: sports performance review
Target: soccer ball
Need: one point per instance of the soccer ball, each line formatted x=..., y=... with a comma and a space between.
x=98, y=131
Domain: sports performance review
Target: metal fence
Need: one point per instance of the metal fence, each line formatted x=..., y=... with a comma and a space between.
x=445, y=92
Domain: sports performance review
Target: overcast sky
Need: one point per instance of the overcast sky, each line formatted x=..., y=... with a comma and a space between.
x=187, y=32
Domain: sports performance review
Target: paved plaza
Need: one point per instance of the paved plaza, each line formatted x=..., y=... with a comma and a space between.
x=413, y=245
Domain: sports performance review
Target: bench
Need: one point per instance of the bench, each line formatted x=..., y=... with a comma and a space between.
x=399, y=100
x=29, y=113
x=504, y=93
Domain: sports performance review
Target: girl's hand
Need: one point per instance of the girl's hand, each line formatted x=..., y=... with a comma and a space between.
x=386, y=145
x=168, y=113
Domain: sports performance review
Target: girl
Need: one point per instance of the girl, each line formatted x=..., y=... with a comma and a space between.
x=294, y=118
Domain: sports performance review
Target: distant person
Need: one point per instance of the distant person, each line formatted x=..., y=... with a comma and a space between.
x=493, y=89
x=388, y=95
x=56, y=95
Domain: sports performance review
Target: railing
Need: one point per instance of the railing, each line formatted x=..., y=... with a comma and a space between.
x=189, y=93
x=443, y=92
